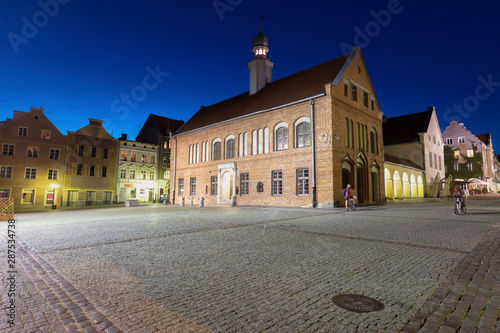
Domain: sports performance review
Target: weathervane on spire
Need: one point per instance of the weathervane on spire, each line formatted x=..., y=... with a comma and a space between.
x=261, y=18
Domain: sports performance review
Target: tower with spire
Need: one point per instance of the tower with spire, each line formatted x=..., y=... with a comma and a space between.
x=260, y=66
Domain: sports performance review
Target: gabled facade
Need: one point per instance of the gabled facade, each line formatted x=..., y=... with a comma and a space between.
x=297, y=141
x=469, y=156
x=157, y=130
x=415, y=137
x=137, y=171
x=32, y=159
x=91, y=166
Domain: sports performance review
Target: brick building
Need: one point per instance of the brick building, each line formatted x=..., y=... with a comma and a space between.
x=296, y=141
x=91, y=164
x=32, y=160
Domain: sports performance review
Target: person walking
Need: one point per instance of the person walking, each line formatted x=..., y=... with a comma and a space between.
x=347, y=195
x=458, y=194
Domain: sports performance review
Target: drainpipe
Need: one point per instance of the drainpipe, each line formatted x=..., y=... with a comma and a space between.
x=313, y=157
x=172, y=180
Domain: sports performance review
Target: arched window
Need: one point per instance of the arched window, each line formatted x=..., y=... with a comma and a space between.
x=373, y=141
x=229, y=147
x=281, y=136
x=216, y=147
x=347, y=175
x=302, y=133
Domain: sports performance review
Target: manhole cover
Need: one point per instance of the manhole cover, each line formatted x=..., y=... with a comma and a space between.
x=357, y=303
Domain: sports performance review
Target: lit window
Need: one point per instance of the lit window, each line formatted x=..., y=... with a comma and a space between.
x=32, y=151
x=124, y=155
x=45, y=134
x=456, y=154
x=132, y=157
x=153, y=159
x=470, y=153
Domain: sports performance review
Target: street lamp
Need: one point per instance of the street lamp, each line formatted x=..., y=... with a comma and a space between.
x=54, y=187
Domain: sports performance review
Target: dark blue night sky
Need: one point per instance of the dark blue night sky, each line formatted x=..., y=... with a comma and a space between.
x=119, y=61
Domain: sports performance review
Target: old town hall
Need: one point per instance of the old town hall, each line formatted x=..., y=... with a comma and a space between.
x=296, y=141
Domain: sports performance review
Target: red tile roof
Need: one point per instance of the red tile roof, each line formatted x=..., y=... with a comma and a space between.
x=485, y=138
x=302, y=85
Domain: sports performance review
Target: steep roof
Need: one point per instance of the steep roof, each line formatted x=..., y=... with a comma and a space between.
x=302, y=85
x=165, y=123
x=406, y=128
x=485, y=138
x=401, y=161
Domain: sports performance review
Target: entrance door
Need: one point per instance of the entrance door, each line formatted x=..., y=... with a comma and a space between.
x=90, y=198
x=72, y=198
x=150, y=195
x=226, y=188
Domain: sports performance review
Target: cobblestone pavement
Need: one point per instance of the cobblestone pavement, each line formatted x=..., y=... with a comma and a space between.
x=255, y=269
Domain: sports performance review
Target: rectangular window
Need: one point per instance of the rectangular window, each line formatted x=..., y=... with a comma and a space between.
x=193, y=186
x=346, y=90
x=124, y=156
x=32, y=151
x=461, y=139
x=104, y=172
x=151, y=175
x=435, y=161
x=53, y=174
x=23, y=131
x=133, y=193
x=79, y=170
x=277, y=183
x=440, y=164
x=105, y=153
x=470, y=166
x=449, y=141
x=373, y=105
x=302, y=181
x=470, y=153
x=181, y=186
x=214, y=185
x=80, y=150
x=92, y=171
x=153, y=159
x=54, y=154
x=8, y=149
x=143, y=175
x=30, y=173
x=132, y=174
x=244, y=184
x=5, y=172
x=144, y=158
x=132, y=157
x=216, y=151
x=45, y=134
x=354, y=92
x=430, y=159
x=456, y=154
x=456, y=167
x=434, y=138
x=365, y=98
x=164, y=159
x=123, y=173
x=93, y=152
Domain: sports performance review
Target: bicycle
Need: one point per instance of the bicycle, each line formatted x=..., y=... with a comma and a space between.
x=460, y=207
x=352, y=203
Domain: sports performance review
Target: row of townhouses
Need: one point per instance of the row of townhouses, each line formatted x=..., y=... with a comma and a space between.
x=296, y=141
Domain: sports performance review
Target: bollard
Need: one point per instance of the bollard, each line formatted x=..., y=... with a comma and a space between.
x=182, y=201
x=190, y=201
x=233, y=201
x=202, y=202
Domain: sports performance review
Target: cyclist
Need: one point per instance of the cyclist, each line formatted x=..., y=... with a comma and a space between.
x=458, y=194
x=347, y=195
